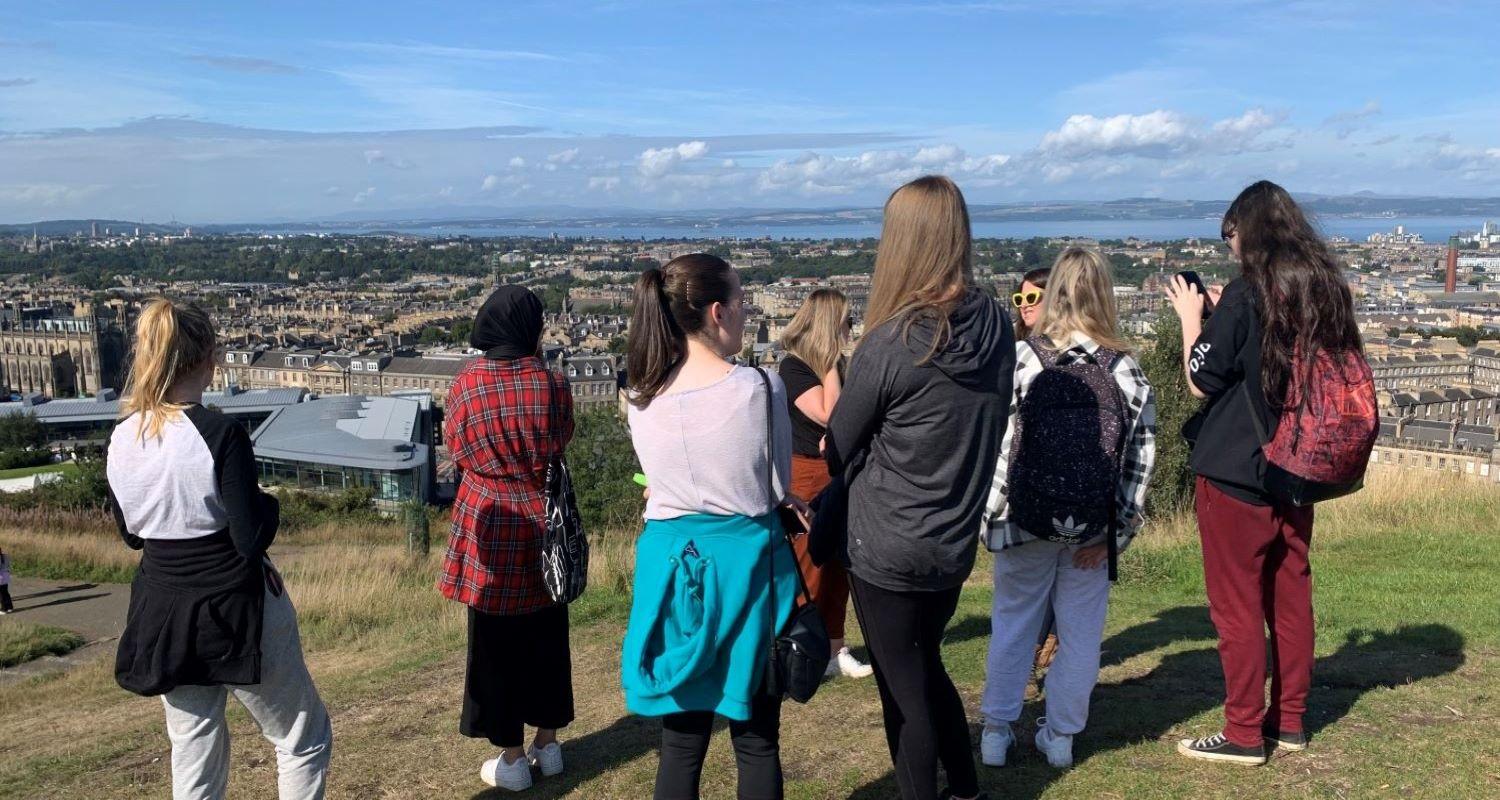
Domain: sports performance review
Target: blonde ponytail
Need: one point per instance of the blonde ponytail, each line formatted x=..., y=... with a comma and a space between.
x=170, y=341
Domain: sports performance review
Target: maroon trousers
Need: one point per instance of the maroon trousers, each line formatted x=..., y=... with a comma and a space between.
x=1256, y=571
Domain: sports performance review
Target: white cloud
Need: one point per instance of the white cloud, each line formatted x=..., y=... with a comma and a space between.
x=563, y=156
x=818, y=174
x=373, y=157
x=603, y=183
x=1158, y=134
x=516, y=162
x=656, y=162
x=368, y=193
x=446, y=191
x=489, y=184
x=46, y=195
x=1345, y=123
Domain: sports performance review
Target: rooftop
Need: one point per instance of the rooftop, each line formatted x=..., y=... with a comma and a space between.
x=348, y=431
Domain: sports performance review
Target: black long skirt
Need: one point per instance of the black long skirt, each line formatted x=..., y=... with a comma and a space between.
x=520, y=672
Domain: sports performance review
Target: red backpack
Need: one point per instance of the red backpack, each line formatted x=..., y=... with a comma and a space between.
x=1322, y=444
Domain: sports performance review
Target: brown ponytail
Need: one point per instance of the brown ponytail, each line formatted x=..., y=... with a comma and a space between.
x=671, y=304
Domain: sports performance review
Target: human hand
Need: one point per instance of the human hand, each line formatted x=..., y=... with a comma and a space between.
x=799, y=507
x=1186, y=300
x=1091, y=557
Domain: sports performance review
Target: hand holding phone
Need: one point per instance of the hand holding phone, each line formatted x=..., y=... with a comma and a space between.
x=1196, y=282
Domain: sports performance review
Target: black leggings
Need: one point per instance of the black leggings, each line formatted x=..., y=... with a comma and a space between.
x=925, y=721
x=684, y=742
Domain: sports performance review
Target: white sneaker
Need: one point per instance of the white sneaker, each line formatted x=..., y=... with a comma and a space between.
x=850, y=666
x=1055, y=746
x=995, y=744
x=548, y=759
x=514, y=775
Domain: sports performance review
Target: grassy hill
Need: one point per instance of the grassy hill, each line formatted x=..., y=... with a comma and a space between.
x=1404, y=701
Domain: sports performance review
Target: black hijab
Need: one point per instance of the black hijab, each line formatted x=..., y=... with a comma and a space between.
x=509, y=324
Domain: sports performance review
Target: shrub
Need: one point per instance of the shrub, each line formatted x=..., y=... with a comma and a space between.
x=1172, y=482
x=13, y=458
x=602, y=461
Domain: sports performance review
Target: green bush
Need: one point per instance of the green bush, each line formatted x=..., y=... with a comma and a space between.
x=304, y=509
x=1172, y=483
x=84, y=489
x=15, y=458
x=602, y=461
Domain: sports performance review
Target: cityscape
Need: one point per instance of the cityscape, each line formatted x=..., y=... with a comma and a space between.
x=861, y=400
x=1429, y=311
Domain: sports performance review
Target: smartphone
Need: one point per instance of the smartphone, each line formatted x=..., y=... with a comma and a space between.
x=1194, y=280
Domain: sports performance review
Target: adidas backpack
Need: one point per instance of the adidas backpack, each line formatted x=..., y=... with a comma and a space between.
x=1322, y=442
x=1064, y=468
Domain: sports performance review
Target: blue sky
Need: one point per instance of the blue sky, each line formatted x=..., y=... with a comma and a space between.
x=272, y=110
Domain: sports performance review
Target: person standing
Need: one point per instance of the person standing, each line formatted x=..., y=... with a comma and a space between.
x=814, y=342
x=922, y=413
x=6, y=606
x=509, y=416
x=1028, y=299
x=714, y=579
x=209, y=616
x=1084, y=417
x=1290, y=306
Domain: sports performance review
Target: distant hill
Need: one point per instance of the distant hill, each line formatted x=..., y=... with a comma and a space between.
x=1361, y=204
x=69, y=227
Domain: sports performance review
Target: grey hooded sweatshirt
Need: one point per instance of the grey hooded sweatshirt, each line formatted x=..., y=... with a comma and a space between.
x=920, y=443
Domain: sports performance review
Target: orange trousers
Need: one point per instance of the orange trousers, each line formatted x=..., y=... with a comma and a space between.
x=828, y=584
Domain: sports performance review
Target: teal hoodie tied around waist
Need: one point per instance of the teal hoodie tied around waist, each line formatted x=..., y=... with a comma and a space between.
x=700, y=619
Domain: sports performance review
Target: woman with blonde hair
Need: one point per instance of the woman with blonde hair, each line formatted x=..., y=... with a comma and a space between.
x=915, y=435
x=209, y=615
x=1066, y=499
x=812, y=371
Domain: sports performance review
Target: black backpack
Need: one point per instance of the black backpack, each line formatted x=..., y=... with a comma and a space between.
x=1063, y=473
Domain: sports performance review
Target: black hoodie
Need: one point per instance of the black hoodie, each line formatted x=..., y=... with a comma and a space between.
x=921, y=441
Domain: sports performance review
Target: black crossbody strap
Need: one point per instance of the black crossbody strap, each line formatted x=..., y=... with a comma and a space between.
x=771, y=491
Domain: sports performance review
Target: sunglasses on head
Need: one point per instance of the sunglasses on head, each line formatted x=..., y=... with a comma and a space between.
x=1023, y=299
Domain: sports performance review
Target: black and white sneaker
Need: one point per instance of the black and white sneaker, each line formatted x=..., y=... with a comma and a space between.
x=1218, y=748
x=1292, y=741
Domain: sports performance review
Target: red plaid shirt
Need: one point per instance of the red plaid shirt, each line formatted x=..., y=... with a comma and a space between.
x=506, y=420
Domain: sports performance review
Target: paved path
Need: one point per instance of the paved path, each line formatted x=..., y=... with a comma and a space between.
x=94, y=610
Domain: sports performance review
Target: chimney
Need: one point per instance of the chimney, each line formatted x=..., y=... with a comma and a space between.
x=1450, y=280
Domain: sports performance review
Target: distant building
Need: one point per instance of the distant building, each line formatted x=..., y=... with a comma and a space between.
x=336, y=443
x=73, y=422
x=595, y=380
x=61, y=356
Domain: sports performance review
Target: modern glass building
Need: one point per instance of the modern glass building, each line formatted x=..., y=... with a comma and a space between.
x=350, y=441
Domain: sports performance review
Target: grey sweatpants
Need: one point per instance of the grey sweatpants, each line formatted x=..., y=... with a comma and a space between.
x=285, y=705
x=1029, y=578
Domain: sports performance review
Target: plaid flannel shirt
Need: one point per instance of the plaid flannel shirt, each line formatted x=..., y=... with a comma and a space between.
x=1137, y=459
x=505, y=422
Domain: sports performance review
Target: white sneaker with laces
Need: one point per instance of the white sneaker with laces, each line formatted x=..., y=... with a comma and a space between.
x=1055, y=746
x=995, y=744
x=548, y=759
x=850, y=666
x=512, y=775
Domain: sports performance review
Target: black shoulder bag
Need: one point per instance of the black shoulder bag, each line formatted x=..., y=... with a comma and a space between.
x=565, y=547
x=800, y=655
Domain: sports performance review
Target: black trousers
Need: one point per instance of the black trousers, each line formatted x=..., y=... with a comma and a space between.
x=925, y=723
x=5, y=603
x=757, y=752
x=520, y=672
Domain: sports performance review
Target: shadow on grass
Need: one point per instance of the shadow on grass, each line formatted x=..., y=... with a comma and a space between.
x=594, y=754
x=1146, y=709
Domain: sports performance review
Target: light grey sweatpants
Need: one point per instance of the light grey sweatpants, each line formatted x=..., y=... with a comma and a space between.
x=1027, y=578
x=285, y=705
